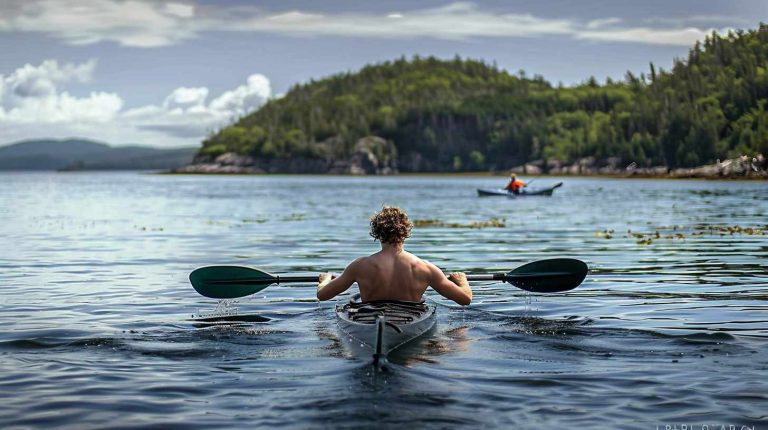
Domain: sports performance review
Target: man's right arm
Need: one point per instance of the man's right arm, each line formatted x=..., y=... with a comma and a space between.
x=328, y=290
x=454, y=288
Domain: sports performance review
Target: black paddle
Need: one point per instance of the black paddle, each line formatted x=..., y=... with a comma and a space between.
x=554, y=275
x=545, y=276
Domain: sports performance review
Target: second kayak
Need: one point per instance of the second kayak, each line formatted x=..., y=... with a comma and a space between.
x=524, y=192
x=382, y=326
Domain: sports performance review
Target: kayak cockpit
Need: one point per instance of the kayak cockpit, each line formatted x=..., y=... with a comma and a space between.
x=382, y=326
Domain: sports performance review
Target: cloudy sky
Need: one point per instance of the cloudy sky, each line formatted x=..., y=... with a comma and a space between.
x=167, y=73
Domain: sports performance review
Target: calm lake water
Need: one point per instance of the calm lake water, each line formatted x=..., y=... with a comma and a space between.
x=97, y=327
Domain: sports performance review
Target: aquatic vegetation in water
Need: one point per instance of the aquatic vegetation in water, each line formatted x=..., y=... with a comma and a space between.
x=216, y=222
x=148, y=228
x=427, y=223
x=606, y=234
x=258, y=219
x=294, y=217
x=731, y=230
x=491, y=223
x=717, y=193
x=674, y=234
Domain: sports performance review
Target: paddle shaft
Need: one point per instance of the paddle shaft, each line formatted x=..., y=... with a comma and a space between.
x=297, y=279
x=488, y=277
x=512, y=276
x=267, y=281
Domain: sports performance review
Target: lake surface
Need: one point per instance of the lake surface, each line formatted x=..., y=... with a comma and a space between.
x=97, y=327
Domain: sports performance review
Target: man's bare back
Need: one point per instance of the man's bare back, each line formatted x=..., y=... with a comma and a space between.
x=391, y=276
x=395, y=274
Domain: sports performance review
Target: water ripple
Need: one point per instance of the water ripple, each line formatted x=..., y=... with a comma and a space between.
x=99, y=326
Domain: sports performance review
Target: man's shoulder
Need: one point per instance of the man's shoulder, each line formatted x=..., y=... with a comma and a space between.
x=421, y=263
x=359, y=261
x=365, y=262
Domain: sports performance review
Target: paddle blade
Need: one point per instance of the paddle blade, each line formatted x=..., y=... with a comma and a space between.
x=229, y=282
x=549, y=276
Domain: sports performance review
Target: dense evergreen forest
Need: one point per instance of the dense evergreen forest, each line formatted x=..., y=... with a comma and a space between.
x=469, y=115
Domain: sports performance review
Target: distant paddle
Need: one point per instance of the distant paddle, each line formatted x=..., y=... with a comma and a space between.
x=545, y=276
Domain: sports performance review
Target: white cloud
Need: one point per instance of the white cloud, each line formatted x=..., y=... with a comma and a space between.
x=32, y=94
x=180, y=10
x=35, y=103
x=149, y=23
x=453, y=21
x=683, y=37
x=98, y=107
x=711, y=20
x=39, y=81
x=245, y=97
x=603, y=22
x=185, y=114
x=138, y=23
x=184, y=97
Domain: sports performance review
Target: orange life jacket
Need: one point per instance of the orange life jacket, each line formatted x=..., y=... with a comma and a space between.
x=515, y=185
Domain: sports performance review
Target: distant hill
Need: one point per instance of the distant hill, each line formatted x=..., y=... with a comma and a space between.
x=80, y=154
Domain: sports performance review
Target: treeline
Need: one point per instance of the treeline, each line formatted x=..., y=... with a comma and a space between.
x=469, y=115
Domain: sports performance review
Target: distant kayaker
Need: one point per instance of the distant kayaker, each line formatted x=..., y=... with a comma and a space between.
x=393, y=273
x=514, y=185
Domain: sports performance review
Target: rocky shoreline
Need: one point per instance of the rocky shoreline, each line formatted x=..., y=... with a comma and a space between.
x=371, y=156
x=743, y=167
x=376, y=156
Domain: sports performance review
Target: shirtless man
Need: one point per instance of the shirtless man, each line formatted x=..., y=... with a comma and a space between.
x=393, y=273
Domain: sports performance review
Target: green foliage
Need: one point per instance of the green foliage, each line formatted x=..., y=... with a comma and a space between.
x=465, y=114
x=476, y=160
x=457, y=163
x=213, y=150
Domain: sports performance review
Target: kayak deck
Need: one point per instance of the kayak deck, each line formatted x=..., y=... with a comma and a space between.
x=383, y=326
x=485, y=192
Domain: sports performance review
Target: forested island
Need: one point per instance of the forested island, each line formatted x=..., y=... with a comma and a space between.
x=432, y=115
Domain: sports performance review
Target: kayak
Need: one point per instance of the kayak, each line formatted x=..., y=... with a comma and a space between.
x=382, y=326
x=523, y=193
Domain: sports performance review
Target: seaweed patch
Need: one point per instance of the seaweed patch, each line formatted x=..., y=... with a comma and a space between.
x=491, y=223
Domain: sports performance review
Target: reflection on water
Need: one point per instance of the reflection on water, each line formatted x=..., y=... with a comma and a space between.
x=100, y=327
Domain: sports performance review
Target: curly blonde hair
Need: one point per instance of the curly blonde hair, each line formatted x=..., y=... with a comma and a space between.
x=390, y=225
